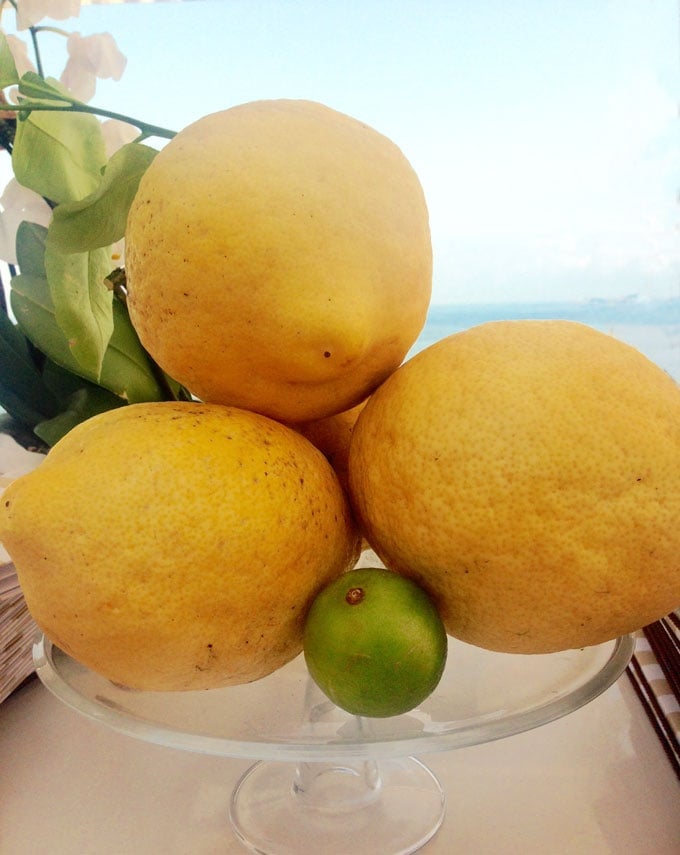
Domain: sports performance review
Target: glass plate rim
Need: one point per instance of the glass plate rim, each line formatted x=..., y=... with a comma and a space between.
x=485, y=728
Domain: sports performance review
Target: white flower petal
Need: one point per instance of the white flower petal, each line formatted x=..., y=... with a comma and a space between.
x=90, y=57
x=19, y=51
x=117, y=134
x=30, y=12
x=111, y=62
x=79, y=79
x=99, y=52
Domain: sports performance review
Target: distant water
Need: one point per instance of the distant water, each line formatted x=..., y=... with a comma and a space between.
x=652, y=326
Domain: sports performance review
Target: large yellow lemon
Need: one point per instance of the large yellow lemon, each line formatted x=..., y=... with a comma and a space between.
x=176, y=546
x=333, y=435
x=527, y=474
x=278, y=258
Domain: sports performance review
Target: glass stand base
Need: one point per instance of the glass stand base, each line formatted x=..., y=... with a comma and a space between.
x=392, y=807
x=338, y=801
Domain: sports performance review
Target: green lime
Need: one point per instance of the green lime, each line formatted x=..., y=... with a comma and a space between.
x=374, y=643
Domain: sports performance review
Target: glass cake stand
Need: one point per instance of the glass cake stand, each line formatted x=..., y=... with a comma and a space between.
x=345, y=783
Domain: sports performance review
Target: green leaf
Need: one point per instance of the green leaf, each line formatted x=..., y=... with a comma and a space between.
x=100, y=218
x=8, y=69
x=86, y=402
x=50, y=402
x=59, y=155
x=23, y=394
x=30, y=247
x=34, y=311
x=67, y=313
x=61, y=382
x=82, y=302
x=37, y=88
x=126, y=368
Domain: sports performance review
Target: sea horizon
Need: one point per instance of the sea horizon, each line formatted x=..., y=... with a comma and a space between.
x=650, y=325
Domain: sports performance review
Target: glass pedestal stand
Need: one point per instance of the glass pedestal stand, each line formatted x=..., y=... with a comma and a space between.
x=326, y=781
x=390, y=806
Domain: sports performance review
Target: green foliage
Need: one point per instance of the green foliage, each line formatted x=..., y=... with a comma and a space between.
x=23, y=393
x=72, y=351
x=48, y=400
x=84, y=403
x=8, y=69
x=82, y=306
x=99, y=219
x=59, y=155
x=38, y=89
x=54, y=326
x=126, y=369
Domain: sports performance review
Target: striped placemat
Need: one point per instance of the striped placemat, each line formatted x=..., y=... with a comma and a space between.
x=654, y=671
x=17, y=634
x=17, y=629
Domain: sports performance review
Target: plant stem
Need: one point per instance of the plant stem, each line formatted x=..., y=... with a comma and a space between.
x=43, y=28
x=147, y=130
x=36, y=51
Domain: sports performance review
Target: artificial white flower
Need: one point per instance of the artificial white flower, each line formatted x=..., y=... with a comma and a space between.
x=117, y=134
x=91, y=57
x=18, y=204
x=29, y=12
x=19, y=51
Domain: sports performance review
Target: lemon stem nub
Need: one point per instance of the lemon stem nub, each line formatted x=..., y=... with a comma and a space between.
x=354, y=596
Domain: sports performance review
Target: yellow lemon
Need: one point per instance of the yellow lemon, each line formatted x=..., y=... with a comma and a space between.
x=527, y=474
x=174, y=546
x=278, y=258
x=332, y=435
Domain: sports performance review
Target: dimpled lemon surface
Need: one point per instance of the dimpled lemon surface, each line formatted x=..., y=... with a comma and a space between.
x=278, y=258
x=527, y=474
x=177, y=546
x=333, y=435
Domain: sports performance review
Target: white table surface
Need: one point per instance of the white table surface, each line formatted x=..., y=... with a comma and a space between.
x=596, y=781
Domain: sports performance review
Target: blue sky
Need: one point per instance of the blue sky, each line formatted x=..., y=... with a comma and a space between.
x=545, y=133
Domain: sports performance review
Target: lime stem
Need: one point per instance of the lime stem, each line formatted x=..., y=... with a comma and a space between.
x=354, y=596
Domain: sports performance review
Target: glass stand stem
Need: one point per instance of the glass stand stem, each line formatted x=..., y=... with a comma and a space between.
x=344, y=786
x=392, y=807
x=355, y=805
